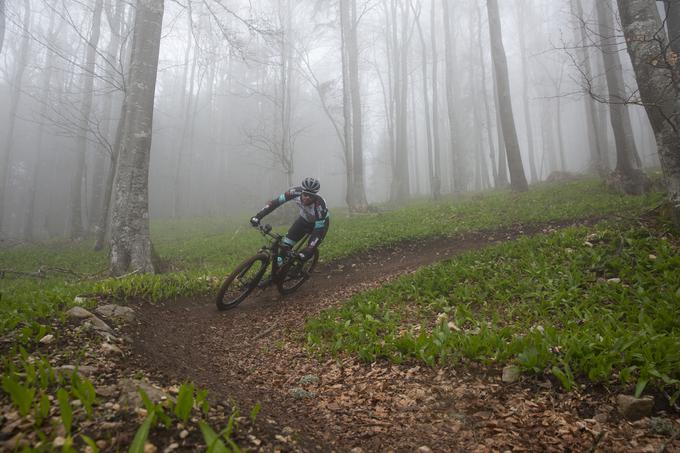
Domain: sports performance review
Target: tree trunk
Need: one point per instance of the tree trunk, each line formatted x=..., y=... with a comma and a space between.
x=656, y=74
x=597, y=163
x=456, y=158
x=672, y=8
x=487, y=111
x=130, y=238
x=20, y=68
x=100, y=171
x=518, y=181
x=359, y=203
x=426, y=100
x=185, y=104
x=437, y=180
x=2, y=24
x=525, y=90
x=503, y=179
x=345, y=23
x=76, y=220
x=626, y=177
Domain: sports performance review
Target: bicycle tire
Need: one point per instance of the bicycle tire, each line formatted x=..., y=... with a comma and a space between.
x=235, y=296
x=308, y=268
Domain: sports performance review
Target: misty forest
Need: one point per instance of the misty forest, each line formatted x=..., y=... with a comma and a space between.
x=490, y=264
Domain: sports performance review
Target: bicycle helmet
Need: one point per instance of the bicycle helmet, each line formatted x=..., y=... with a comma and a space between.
x=311, y=185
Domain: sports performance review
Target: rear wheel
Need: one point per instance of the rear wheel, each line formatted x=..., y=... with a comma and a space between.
x=295, y=273
x=241, y=282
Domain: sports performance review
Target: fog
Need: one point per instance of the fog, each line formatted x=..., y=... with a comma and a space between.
x=249, y=100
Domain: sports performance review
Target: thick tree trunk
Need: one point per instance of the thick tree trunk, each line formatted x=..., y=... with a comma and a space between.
x=20, y=68
x=76, y=220
x=518, y=181
x=437, y=180
x=656, y=72
x=626, y=177
x=130, y=237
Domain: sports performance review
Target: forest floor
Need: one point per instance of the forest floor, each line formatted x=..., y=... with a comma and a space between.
x=255, y=355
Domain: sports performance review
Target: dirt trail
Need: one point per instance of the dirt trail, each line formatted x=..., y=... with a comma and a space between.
x=255, y=353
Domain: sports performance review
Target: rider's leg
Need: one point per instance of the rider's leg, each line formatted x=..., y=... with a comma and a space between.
x=296, y=232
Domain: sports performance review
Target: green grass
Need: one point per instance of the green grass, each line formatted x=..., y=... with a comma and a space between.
x=200, y=251
x=600, y=303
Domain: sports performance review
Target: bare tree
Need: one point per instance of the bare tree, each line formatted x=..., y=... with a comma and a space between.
x=436, y=176
x=2, y=23
x=20, y=68
x=626, y=177
x=130, y=238
x=76, y=220
x=521, y=13
x=597, y=156
x=359, y=203
x=485, y=97
x=656, y=69
x=518, y=181
x=450, y=58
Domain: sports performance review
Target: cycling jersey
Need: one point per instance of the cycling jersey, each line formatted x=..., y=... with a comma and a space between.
x=314, y=217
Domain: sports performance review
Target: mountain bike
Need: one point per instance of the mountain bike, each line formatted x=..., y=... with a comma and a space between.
x=288, y=275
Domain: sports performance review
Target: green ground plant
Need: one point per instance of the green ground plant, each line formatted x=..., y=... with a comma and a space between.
x=199, y=252
x=599, y=303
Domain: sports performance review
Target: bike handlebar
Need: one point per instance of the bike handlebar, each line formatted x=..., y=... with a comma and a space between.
x=266, y=229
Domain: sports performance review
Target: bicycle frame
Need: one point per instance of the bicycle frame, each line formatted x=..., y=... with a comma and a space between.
x=274, y=248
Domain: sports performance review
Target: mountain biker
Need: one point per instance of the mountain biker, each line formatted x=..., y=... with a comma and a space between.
x=313, y=220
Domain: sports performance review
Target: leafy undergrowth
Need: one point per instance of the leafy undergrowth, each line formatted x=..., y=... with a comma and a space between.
x=48, y=404
x=600, y=303
x=199, y=252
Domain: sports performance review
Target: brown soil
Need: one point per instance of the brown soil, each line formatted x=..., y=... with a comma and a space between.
x=255, y=354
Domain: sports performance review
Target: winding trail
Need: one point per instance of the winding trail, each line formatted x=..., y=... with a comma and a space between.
x=255, y=354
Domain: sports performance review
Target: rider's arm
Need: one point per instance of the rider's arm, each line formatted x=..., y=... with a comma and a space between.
x=276, y=202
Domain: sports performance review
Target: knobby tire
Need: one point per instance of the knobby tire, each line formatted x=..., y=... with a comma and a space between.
x=308, y=267
x=229, y=290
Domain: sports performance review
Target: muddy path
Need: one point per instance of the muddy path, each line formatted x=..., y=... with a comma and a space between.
x=255, y=354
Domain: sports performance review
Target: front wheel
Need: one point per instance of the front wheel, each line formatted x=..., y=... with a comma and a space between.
x=295, y=273
x=242, y=281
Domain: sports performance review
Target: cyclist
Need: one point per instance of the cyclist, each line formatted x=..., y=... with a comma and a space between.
x=314, y=218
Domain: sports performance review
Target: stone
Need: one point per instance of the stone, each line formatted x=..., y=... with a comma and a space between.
x=109, y=348
x=79, y=313
x=300, y=394
x=309, y=379
x=129, y=393
x=150, y=448
x=97, y=324
x=47, y=339
x=511, y=373
x=116, y=313
x=635, y=408
x=184, y=434
x=85, y=370
x=424, y=449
